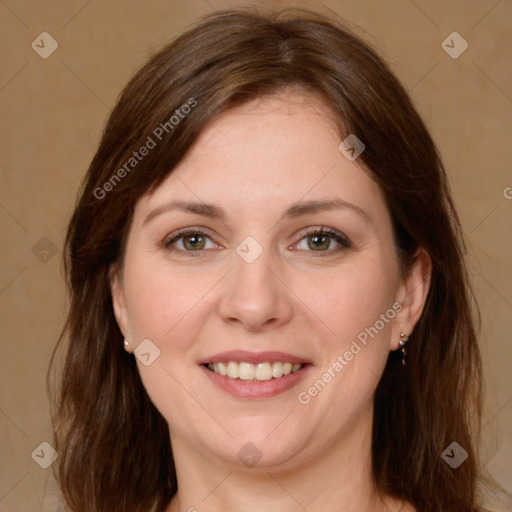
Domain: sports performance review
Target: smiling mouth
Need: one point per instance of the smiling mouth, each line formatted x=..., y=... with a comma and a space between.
x=254, y=372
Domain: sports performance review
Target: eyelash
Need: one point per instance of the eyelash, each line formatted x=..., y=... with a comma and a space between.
x=335, y=235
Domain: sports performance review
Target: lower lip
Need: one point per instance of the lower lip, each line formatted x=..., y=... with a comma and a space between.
x=253, y=389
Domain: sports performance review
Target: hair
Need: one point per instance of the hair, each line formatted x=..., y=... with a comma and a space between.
x=113, y=444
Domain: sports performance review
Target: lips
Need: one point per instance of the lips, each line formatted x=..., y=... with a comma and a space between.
x=249, y=385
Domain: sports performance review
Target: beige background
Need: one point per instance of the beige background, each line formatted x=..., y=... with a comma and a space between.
x=53, y=111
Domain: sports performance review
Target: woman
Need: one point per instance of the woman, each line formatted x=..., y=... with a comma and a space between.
x=269, y=304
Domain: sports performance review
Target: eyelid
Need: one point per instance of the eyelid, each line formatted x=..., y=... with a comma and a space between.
x=323, y=230
x=188, y=231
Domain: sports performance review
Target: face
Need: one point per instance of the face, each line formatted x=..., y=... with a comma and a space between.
x=266, y=245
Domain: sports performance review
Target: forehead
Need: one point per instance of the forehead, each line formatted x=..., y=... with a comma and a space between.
x=267, y=153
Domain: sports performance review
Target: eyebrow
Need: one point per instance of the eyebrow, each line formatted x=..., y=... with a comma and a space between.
x=295, y=210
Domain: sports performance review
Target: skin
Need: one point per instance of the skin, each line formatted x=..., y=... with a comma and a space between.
x=254, y=162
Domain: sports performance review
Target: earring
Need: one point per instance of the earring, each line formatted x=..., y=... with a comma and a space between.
x=126, y=343
x=403, y=340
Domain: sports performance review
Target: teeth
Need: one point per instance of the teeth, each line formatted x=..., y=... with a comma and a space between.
x=232, y=370
x=259, y=371
x=223, y=369
x=263, y=371
x=245, y=371
x=277, y=370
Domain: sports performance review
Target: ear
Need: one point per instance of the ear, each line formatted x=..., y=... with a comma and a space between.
x=412, y=295
x=119, y=302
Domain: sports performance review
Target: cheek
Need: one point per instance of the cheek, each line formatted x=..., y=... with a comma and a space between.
x=168, y=306
x=350, y=299
x=160, y=300
x=350, y=302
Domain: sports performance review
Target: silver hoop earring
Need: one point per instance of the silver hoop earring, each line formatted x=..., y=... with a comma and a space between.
x=403, y=340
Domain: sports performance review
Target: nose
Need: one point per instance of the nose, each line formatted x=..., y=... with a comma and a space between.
x=254, y=295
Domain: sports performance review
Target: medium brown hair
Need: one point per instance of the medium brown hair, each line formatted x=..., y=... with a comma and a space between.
x=113, y=444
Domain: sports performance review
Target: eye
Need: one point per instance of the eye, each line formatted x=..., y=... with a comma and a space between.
x=319, y=240
x=189, y=240
x=322, y=239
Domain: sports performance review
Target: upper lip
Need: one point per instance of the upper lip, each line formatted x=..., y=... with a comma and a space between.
x=243, y=356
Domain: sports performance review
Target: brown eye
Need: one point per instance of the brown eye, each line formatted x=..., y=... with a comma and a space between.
x=319, y=242
x=323, y=241
x=189, y=241
x=193, y=242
